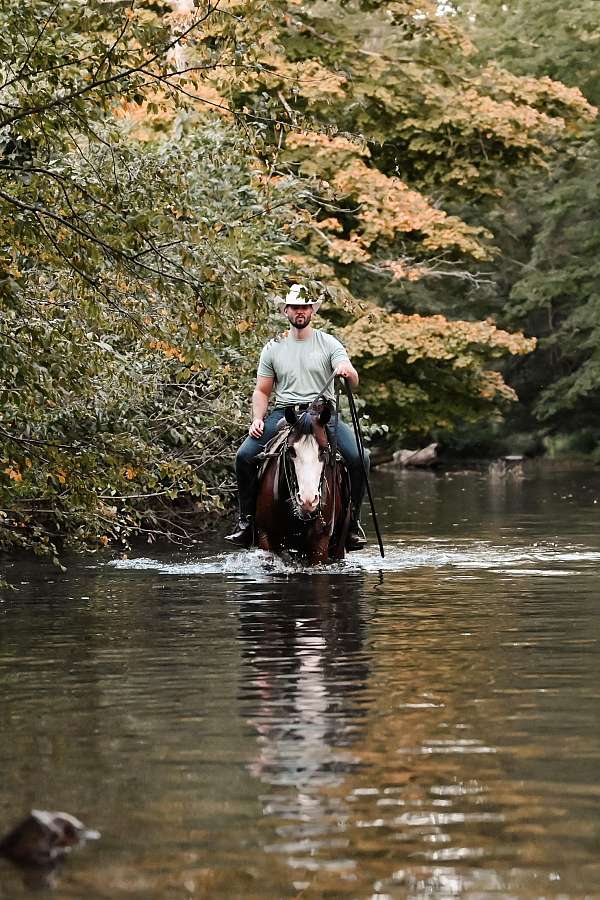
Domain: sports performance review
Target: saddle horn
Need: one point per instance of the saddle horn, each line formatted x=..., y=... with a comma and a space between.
x=290, y=415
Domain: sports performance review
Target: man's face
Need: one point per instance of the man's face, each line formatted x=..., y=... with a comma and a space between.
x=299, y=316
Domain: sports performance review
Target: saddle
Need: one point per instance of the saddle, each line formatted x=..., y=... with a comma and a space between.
x=273, y=449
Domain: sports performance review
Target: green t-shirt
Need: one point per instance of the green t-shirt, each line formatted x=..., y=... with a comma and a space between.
x=301, y=368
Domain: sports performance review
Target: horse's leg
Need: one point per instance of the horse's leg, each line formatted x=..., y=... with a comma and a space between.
x=268, y=534
x=262, y=541
x=337, y=551
x=337, y=546
x=266, y=515
x=318, y=549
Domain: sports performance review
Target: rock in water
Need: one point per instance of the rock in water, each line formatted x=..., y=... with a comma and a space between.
x=44, y=838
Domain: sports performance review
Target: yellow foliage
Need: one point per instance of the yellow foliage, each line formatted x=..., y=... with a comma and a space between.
x=379, y=334
x=420, y=373
x=349, y=251
x=327, y=152
x=400, y=269
x=539, y=90
x=301, y=265
x=330, y=224
x=311, y=79
x=333, y=149
x=492, y=386
x=389, y=207
x=169, y=351
x=13, y=473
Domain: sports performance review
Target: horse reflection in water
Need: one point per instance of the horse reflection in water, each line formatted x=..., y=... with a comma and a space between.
x=308, y=671
x=304, y=495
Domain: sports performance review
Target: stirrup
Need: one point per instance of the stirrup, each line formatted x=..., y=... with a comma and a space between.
x=356, y=539
x=243, y=534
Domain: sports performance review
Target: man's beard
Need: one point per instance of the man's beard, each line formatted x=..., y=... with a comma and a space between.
x=300, y=326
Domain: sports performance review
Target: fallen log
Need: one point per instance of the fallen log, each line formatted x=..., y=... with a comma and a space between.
x=426, y=456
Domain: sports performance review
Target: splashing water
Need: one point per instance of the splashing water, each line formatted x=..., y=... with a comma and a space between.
x=538, y=559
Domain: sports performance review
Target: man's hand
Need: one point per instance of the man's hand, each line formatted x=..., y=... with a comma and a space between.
x=344, y=370
x=257, y=428
x=347, y=370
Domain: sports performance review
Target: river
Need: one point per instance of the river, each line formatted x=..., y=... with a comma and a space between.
x=422, y=726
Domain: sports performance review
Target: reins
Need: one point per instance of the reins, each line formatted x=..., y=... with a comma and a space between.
x=361, y=453
x=359, y=443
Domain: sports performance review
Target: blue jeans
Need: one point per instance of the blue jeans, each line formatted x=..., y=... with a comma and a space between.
x=246, y=465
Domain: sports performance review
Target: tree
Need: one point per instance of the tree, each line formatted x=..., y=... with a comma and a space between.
x=130, y=269
x=406, y=138
x=547, y=279
x=389, y=114
x=425, y=374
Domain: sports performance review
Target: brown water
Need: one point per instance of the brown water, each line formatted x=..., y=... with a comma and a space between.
x=422, y=726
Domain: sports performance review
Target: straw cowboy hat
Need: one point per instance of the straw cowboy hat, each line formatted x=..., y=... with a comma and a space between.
x=296, y=296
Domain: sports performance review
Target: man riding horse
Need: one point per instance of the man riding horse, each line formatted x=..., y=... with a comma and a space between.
x=297, y=366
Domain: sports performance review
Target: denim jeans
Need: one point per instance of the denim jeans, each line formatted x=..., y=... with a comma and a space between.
x=246, y=464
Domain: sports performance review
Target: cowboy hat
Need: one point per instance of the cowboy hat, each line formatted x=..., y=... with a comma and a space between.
x=297, y=296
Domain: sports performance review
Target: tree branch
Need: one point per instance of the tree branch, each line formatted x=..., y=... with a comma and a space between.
x=118, y=76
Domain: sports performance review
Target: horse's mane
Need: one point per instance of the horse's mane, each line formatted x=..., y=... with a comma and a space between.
x=305, y=424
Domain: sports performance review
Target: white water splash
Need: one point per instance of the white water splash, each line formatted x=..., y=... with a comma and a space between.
x=539, y=560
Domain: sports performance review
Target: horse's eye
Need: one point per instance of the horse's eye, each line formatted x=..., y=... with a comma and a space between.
x=291, y=451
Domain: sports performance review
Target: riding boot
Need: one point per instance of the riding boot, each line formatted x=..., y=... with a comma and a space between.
x=244, y=532
x=356, y=539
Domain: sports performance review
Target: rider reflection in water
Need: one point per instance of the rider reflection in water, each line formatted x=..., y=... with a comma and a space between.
x=297, y=366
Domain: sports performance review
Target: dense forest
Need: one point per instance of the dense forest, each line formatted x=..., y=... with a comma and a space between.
x=167, y=169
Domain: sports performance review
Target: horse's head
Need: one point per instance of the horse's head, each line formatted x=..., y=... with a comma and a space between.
x=307, y=450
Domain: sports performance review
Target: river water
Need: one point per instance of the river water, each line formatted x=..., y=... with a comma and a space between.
x=426, y=725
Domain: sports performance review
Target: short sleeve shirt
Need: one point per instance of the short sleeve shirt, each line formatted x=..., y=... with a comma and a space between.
x=301, y=368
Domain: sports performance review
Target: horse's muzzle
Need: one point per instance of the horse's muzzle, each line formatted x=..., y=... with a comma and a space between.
x=308, y=506
x=304, y=513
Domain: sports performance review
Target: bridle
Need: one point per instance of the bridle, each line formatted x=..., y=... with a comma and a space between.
x=292, y=483
x=325, y=452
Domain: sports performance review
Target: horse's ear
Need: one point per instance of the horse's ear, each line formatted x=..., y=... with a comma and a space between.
x=324, y=416
x=290, y=415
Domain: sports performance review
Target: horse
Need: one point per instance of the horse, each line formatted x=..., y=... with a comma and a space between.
x=303, y=503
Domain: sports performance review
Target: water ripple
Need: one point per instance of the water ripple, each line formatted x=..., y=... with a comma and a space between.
x=545, y=560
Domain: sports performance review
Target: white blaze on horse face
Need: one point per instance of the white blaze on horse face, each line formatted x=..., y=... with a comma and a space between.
x=308, y=468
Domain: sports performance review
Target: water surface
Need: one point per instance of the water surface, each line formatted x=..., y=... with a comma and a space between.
x=420, y=726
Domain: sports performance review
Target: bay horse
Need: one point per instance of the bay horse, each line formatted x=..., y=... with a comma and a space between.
x=303, y=501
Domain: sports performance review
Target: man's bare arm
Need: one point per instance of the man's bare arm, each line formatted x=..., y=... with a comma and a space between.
x=260, y=404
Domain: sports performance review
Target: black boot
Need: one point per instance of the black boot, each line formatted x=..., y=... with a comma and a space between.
x=243, y=534
x=356, y=539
